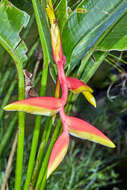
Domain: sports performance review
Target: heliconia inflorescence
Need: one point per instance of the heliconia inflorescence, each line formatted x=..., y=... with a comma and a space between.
x=51, y=105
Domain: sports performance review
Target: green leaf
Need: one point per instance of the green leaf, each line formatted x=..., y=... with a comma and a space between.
x=12, y=20
x=117, y=37
x=82, y=30
x=61, y=13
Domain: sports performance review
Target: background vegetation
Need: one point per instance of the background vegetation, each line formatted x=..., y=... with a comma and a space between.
x=95, y=49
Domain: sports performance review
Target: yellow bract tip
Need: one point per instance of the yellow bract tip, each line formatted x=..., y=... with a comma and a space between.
x=8, y=107
x=112, y=145
x=90, y=98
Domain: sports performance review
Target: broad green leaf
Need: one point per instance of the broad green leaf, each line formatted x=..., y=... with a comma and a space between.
x=12, y=20
x=82, y=30
x=61, y=13
x=117, y=37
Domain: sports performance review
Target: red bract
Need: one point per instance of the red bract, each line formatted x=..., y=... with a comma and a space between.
x=77, y=86
x=58, y=152
x=38, y=105
x=84, y=130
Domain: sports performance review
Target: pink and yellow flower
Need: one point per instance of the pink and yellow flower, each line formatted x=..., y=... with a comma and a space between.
x=77, y=86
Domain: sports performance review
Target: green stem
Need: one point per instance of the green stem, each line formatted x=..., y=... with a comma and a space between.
x=42, y=147
x=31, y=163
x=20, y=133
x=43, y=184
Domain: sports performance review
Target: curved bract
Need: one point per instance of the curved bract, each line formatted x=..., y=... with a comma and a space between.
x=58, y=152
x=38, y=105
x=84, y=130
x=77, y=86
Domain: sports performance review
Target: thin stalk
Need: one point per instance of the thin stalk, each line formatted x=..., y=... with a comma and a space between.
x=42, y=93
x=115, y=66
x=63, y=81
x=4, y=80
x=115, y=63
x=20, y=132
x=118, y=58
x=9, y=164
x=8, y=134
x=43, y=184
x=7, y=97
x=33, y=48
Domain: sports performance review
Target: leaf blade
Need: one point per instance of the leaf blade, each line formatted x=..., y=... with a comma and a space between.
x=13, y=20
x=81, y=32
